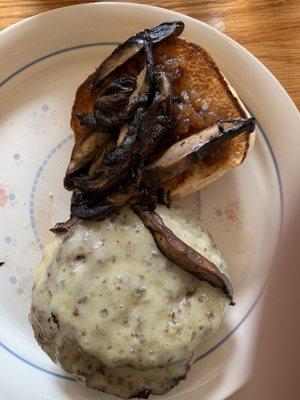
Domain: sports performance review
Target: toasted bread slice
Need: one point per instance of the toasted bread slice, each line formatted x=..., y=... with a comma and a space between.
x=203, y=97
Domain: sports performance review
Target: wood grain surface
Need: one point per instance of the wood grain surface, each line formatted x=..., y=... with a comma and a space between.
x=270, y=29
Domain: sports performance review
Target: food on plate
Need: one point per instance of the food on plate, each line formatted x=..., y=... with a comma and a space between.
x=178, y=86
x=111, y=309
x=133, y=284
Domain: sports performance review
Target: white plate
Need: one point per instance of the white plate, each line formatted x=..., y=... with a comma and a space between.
x=43, y=60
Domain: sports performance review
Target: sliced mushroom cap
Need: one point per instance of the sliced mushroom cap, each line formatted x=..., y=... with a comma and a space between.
x=187, y=152
x=135, y=98
x=127, y=141
x=96, y=164
x=132, y=46
x=117, y=104
x=117, y=94
x=116, y=164
x=61, y=227
x=142, y=135
x=157, y=117
x=182, y=254
x=110, y=108
x=140, y=95
x=84, y=206
x=87, y=206
x=97, y=212
x=85, y=148
x=149, y=61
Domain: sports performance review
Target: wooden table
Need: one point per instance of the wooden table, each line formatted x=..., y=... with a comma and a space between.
x=270, y=29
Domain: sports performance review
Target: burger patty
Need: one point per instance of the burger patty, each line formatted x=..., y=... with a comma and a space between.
x=111, y=309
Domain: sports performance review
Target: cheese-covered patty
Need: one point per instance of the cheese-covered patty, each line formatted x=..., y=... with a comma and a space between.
x=113, y=310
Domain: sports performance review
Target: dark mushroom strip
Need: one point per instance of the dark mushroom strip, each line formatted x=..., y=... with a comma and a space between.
x=133, y=46
x=149, y=61
x=112, y=119
x=117, y=94
x=157, y=117
x=122, y=134
x=118, y=114
x=140, y=96
x=148, y=127
x=182, y=254
x=108, y=179
x=127, y=142
x=187, y=152
x=129, y=191
x=86, y=206
x=81, y=207
x=116, y=164
x=85, y=148
x=96, y=163
x=122, y=197
x=98, y=124
x=109, y=120
x=96, y=121
x=164, y=30
x=98, y=212
x=117, y=104
x=62, y=227
x=119, y=199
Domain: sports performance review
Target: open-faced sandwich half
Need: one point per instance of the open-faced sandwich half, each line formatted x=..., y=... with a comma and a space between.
x=132, y=285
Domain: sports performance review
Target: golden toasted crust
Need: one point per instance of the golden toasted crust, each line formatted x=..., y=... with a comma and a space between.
x=210, y=95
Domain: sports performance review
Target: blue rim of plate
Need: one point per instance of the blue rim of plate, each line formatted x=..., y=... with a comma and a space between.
x=277, y=170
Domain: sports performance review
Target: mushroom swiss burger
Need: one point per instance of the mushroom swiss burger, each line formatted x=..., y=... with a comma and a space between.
x=132, y=283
